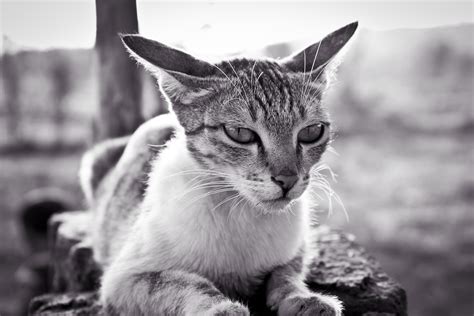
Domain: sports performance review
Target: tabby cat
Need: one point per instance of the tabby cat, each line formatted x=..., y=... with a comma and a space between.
x=206, y=205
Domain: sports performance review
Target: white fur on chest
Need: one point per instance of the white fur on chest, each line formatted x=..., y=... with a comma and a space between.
x=179, y=231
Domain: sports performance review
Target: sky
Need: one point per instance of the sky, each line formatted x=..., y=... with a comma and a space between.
x=221, y=26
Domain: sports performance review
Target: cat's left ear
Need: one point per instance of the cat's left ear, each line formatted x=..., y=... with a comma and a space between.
x=315, y=57
x=182, y=77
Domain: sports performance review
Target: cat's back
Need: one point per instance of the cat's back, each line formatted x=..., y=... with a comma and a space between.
x=115, y=191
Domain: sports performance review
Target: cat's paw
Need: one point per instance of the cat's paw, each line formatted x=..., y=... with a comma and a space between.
x=228, y=308
x=310, y=304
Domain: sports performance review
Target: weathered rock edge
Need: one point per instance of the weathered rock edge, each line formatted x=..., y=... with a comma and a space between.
x=342, y=268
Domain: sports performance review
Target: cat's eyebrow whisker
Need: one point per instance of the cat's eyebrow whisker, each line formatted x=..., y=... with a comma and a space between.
x=321, y=71
x=308, y=96
x=312, y=66
x=228, y=78
x=241, y=84
x=252, y=72
x=254, y=79
x=319, y=91
x=231, y=82
x=232, y=99
x=218, y=68
x=304, y=72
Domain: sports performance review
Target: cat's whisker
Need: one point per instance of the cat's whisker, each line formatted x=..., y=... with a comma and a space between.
x=232, y=197
x=242, y=207
x=213, y=174
x=319, y=181
x=197, y=171
x=206, y=186
x=234, y=203
x=233, y=208
x=332, y=150
x=207, y=194
x=204, y=179
x=187, y=192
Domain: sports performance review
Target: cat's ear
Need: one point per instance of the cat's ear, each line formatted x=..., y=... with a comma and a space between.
x=182, y=77
x=316, y=56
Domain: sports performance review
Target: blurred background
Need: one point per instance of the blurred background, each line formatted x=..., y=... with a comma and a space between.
x=403, y=105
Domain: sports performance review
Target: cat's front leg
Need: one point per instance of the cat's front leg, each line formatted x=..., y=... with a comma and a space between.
x=169, y=292
x=288, y=295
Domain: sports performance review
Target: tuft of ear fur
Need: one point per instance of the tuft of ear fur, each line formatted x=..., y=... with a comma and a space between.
x=315, y=57
x=182, y=77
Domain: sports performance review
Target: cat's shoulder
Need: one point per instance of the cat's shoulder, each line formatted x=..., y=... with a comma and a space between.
x=112, y=157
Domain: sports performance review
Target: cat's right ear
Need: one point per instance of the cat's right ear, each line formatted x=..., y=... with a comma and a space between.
x=315, y=57
x=181, y=76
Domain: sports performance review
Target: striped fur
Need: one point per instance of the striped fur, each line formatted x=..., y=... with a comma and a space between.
x=211, y=223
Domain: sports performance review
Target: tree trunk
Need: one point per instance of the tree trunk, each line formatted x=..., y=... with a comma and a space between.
x=11, y=86
x=119, y=77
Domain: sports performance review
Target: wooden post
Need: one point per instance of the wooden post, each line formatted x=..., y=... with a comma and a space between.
x=119, y=77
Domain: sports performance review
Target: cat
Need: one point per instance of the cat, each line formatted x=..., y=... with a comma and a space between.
x=202, y=206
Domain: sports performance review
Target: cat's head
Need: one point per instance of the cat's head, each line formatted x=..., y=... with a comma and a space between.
x=259, y=123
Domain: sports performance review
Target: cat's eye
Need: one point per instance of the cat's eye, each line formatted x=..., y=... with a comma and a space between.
x=240, y=134
x=312, y=134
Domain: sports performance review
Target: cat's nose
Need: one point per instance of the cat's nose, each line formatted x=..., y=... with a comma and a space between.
x=286, y=182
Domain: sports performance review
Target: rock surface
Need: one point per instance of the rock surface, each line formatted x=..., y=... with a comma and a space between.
x=341, y=268
x=74, y=269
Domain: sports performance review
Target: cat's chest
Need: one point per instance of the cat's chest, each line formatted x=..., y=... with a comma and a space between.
x=184, y=228
x=218, y=241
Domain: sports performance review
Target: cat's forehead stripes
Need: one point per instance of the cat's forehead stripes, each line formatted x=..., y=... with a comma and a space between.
x=267, y=90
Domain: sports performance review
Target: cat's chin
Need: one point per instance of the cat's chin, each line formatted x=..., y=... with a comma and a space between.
x=276, y=205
